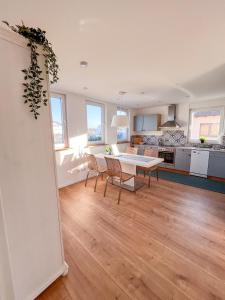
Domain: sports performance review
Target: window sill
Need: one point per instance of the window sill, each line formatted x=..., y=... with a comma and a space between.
x=62, y=149
x=123, y=142
x=96, y=145
x=206, y=142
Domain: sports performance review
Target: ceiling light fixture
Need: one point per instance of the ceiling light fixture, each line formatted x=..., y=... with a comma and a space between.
x=84, y=64
x=122, y=92
x=119, y=121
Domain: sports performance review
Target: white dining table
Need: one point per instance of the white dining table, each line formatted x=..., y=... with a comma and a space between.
x=129, y=164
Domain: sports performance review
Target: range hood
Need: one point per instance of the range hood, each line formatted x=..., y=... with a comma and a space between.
x=171, y=122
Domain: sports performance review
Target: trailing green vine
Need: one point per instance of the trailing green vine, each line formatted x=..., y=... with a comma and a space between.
x=34, y=93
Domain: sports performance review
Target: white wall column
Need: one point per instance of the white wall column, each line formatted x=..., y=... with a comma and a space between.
x=31, y=254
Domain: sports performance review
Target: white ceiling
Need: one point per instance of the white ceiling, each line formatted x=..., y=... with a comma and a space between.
x=172, y=50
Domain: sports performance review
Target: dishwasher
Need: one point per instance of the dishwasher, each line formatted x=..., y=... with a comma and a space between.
x=199, y=162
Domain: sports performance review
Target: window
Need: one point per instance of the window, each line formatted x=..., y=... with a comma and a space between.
x=206, y=123
x=122, y=133
x=58, y=110
x=95, y=122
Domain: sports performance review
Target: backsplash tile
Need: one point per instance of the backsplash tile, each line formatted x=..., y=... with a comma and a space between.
x=178, y=138
x=151, y=140
x=174, y=137
x=169, y=137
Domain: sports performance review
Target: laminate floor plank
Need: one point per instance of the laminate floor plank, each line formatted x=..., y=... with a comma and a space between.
x=168, y=233
x=177, y=270
x=166, y=242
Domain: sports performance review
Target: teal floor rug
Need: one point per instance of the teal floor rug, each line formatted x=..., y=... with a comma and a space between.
x=198, y=182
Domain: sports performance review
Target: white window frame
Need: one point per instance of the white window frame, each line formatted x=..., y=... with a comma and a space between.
x=89, y=102
x=64, y=118
x=128, y=129
x=221, y=129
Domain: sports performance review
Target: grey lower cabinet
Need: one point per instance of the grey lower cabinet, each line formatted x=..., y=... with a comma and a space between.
x=167, y=166
x=183, y=159
x=216, y=166
x=141, y=148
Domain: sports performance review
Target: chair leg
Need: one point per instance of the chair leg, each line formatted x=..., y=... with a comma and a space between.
x=96, y=180
x=106, y=183
x=157, y=174
x=149, y=179
x=144, y=173
x=118, y=202
x=86, y=179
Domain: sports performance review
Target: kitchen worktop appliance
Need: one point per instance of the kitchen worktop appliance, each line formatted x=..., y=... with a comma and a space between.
x=199, y=162
x=168, y=154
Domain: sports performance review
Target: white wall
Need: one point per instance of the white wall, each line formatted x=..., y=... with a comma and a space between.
x=70, y=162
x=30, y=244
x=6, y=283
x=182, y=112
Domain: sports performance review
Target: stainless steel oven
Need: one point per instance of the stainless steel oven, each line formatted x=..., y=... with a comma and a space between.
x=168, y=154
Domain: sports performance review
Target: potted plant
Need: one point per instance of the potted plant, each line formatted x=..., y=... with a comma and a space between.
x=34, y=94
x=202, y=139
x=108, y=150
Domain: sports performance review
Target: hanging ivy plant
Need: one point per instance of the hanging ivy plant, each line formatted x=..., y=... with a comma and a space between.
x=34, y=93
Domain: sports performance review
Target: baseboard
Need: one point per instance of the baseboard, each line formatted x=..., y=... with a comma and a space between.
x=198, y=175
x=174, y=171
x=216, y=178
x=73, y=182
x=62, y=271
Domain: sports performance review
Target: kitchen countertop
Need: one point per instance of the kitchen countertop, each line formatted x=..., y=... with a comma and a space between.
x=202, y=149
x=183, y=147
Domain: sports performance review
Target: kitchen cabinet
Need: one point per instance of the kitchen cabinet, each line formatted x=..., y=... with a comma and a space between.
x=141, y=148
x=183, y=159
x=150, y=123
x=167, y=166
x=216, y=164
x=147, y=122
x=138, y=123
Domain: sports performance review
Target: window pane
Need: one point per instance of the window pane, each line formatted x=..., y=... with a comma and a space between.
x=57, y=122
x=205, y=123
x=121, y=113
x=204, y=129
x=122, y=133
x=214, y=130
x=94, y=123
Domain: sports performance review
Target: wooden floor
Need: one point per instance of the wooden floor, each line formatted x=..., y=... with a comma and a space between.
x=166, y=242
